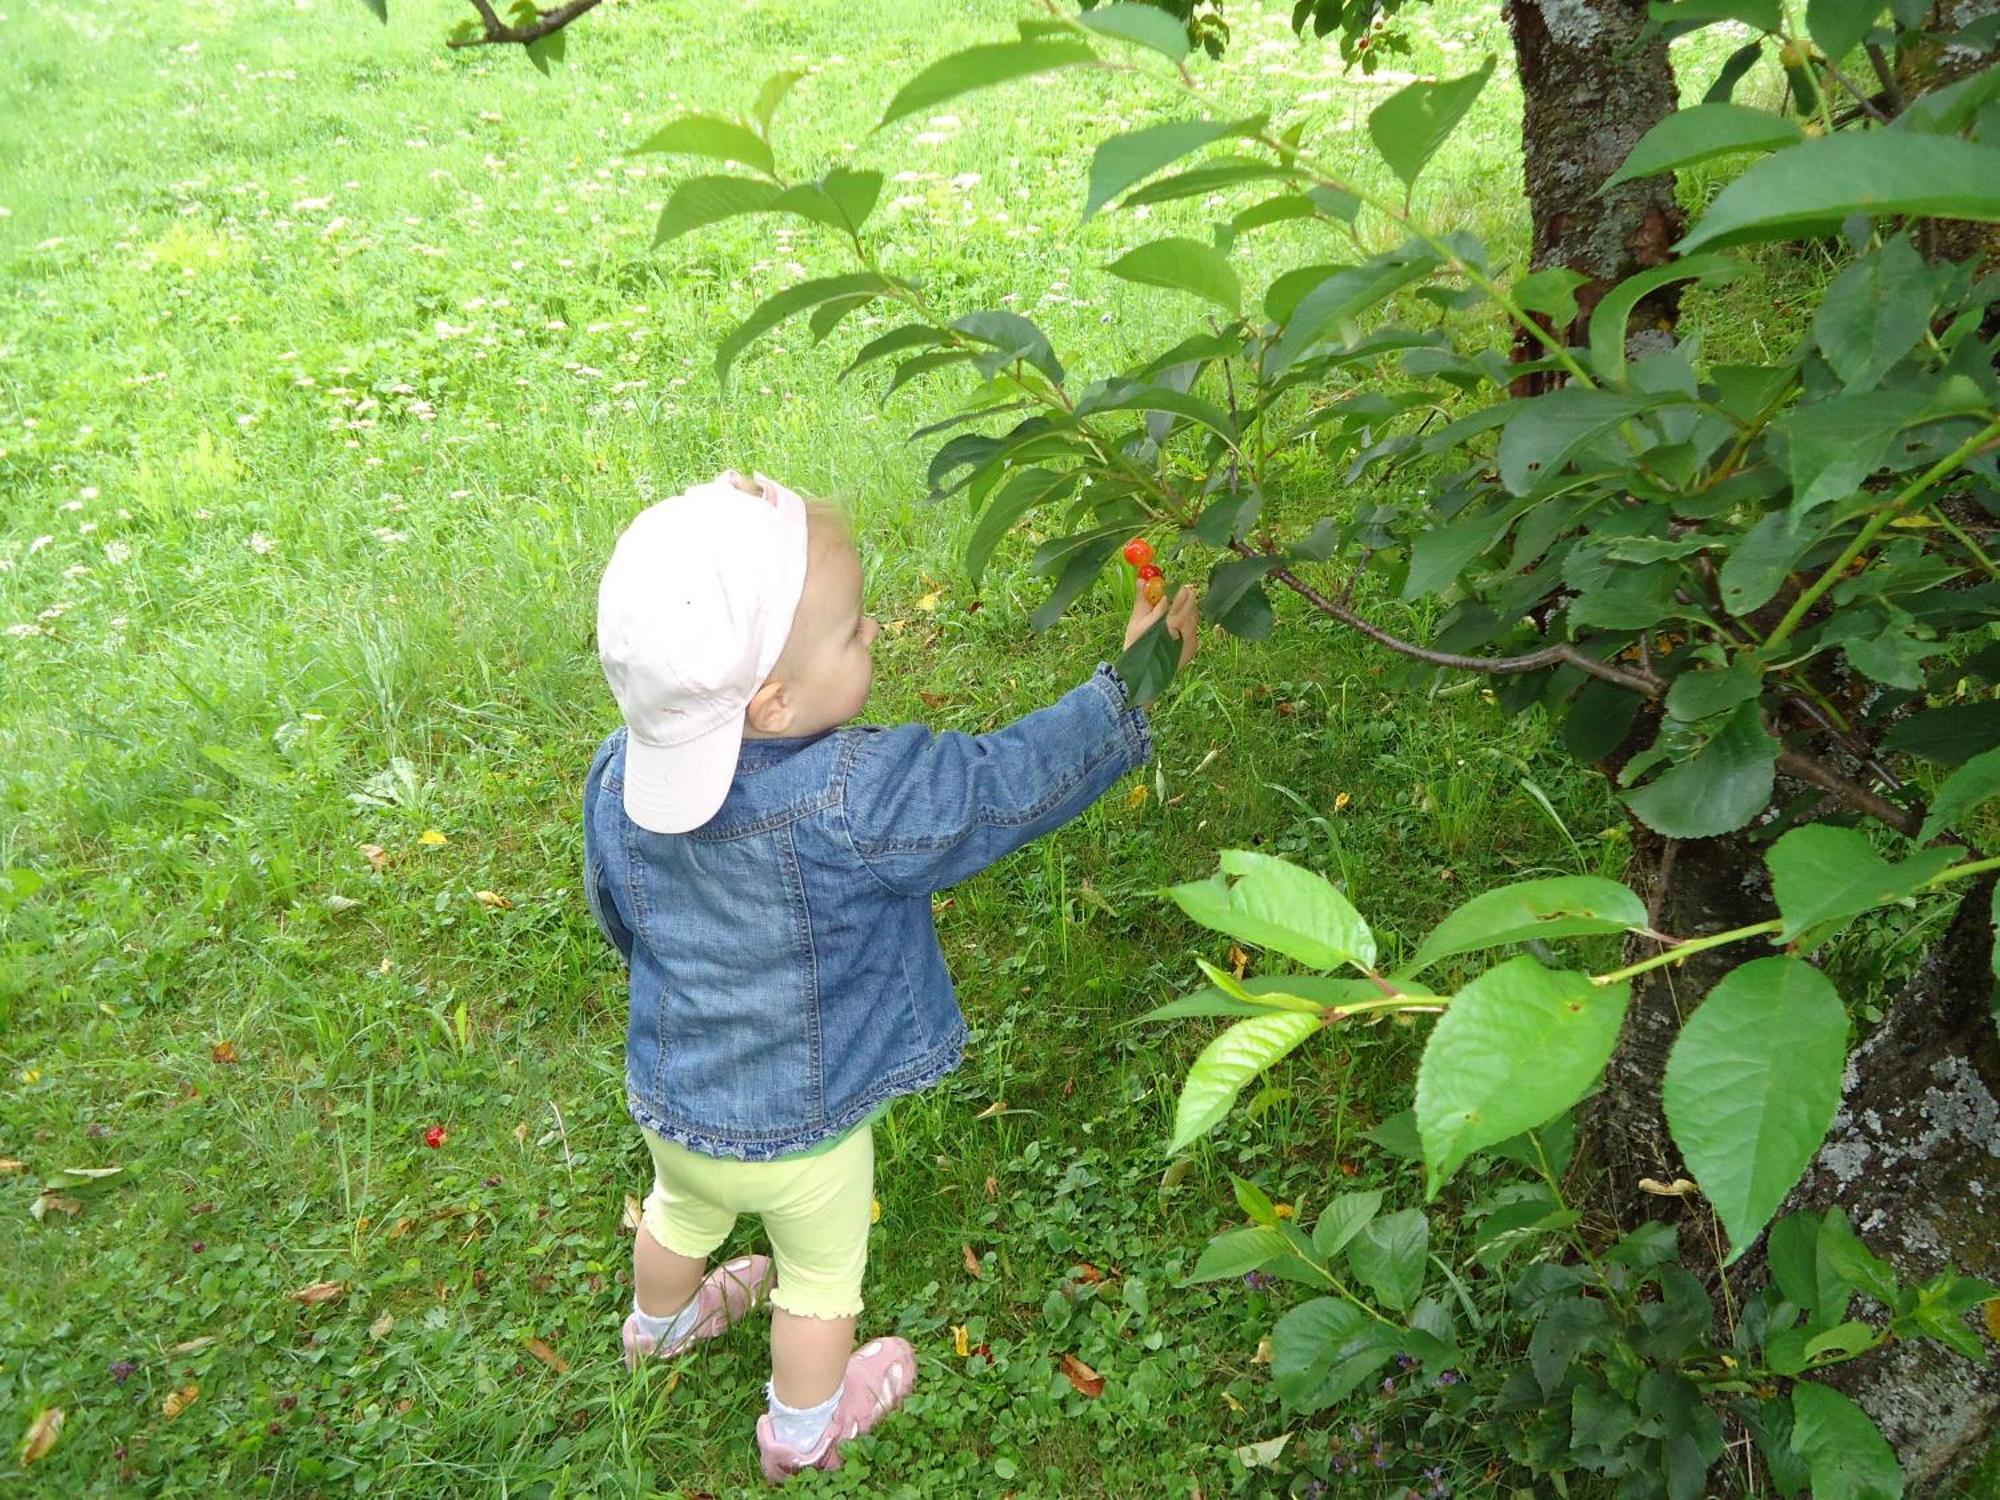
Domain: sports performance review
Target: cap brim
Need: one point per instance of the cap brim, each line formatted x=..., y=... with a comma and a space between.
x=677, y=788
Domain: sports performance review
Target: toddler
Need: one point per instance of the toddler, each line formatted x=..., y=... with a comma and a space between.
x=767, y=875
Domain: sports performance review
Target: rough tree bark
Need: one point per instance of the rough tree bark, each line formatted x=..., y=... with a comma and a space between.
x=1592, y=83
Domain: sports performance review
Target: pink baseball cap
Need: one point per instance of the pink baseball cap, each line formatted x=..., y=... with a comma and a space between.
x=692, y=613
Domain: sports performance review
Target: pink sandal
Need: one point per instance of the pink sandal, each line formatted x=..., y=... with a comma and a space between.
x=726, y=1295
x=879, y=1375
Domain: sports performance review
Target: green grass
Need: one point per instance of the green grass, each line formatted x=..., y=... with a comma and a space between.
x=330, y=365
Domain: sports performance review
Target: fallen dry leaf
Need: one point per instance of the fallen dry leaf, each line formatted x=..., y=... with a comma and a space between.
x=1174, y=1175
x=50, y=1202
x=997, y=1107
x=548, y=1356
x=959, y=1340
x=521, y=1134
x=1136, y=798
x=1085, y=1271
x=12, y=1164
x=1990, y=1311
x=934, y=700
x=432, y=837
x=179, y=1401
x=992, y=1190
x=1263, y=1354
x=188, y=1346
x=930, y=601
x=375, y=854
x=493, y=899
x=874, y=1210
x=42, y=1434
x=93, y=1173
x=318, y=1292
x=224, y=1053
x=972, y=1266
x=379, y=1329
x=634, y=1215
x=1340, y=802
x=1284, y=1210
x=1087, y=1381
x=1680, y=1187
x=1239, y=962
x=1263, y=1455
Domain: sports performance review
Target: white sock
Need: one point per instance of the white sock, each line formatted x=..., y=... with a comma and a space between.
x=801, y=1428
x=665, y=1330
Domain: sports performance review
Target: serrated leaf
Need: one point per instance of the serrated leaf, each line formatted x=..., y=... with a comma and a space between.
x=1230, y=1061
x=1837, y=443
x=1562, y=906
x=1807, y=188
x=788, y=303
x=1544, y=432
x=1343, y=1219
x=1012, y=337
x=1410, y=125
x=842, y=199
x=1726, y=783
x=711, y=136
x=1322, y=1349
x=1123, y=161
x=1848, y=1456
x=1705, y=692
x=1874, y=313
x=40, y=1439
x=1515, y=1048
x=772, y=94
x=1963, y=793
x=1751, y=1086
x=1183, y=265
x=1688, y=137
x=1388, y=1256
x=896, y=341
x=701, y=201
x=1147, y=25
x=1608, y=319
x=1149, y=664
x=1021, y=493
x=1233, y=1253
x=982, y=67
x=1822, y=874
x=1274, y=904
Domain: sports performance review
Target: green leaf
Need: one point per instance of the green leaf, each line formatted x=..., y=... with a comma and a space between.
x=1515, y=1048
x=1842, y=1262
x=1760, y=562
x=1543, y=432
x=544, y=50
x=1792, y=1249
x=1874, y=313
x=1312, y=993
x=1849, y=1457
x=1124, y=160
x=842, y=199
x=1725, y=785
x=1147, y=25
x=1822, y=874
x=772, y=94
x=1183, y=265
x=1410, y=125
x=788, y=303
x=711, y=135
x=1022, y=492
x=924, y=364
x=1077, y=574
x=1388, y=1256
x=1741, y=61
x=1238, y=1250
x=1963, y=792
x=1230, y=1061
x=1703, y=693
x=1561, y=906
x=1321, y=1350
x=982, y=67
x=1343, y=295
x=1837, y=443
x=1233, y=580
x=1948, y=736
x=1213, y=177
x=1690, y=136
x=896, y=341
x=1607, y=321
x=1274, y=904
x=381, y=9
x=1013, y=337
x=1837, y=26
x=1125, y=397
x=1806, y=188
x=1551, y=291
x=1149, y=664
x=1343, y=1220
x=1751, y=1086
x=700, y=201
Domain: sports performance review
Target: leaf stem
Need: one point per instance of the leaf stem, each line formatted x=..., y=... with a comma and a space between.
x=1687, y=948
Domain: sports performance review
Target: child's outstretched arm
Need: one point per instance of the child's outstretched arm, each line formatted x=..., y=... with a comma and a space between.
x=927, y=810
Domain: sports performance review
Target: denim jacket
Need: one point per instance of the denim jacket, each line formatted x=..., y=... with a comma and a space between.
x=786, y=979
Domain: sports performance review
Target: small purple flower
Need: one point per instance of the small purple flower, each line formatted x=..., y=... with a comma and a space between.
x=1404, y=1361
x=1448, y=1377
x=1314, y=1490
x=123, y=1370
x=1257, y=1281
x=1439, y=1488
x=1389, y=1386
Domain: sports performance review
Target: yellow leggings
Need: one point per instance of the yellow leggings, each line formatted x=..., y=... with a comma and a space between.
x=815, y=1210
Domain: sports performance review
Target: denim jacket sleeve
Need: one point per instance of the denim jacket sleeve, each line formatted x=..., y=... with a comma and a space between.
x=927, y=810
x=596, y=886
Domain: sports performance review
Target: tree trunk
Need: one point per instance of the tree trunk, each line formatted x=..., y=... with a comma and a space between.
x=1592, y=83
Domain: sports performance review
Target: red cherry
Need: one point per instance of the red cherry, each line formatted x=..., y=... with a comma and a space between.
x=1138, y=552
x=1150, y=570
x=435, y=1137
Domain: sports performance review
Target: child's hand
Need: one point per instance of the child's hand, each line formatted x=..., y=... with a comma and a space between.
x=1183, y=614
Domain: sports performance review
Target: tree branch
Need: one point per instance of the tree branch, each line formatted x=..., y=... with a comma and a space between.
x=545, y=24
x=1856, y=796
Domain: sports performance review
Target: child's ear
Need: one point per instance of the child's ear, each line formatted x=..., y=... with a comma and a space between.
x=770, y=712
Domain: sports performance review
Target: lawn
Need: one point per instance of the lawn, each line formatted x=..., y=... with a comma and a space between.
x=331, y=362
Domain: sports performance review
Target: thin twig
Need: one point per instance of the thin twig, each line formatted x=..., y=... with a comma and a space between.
x=499, y=32
x=1856, y=796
